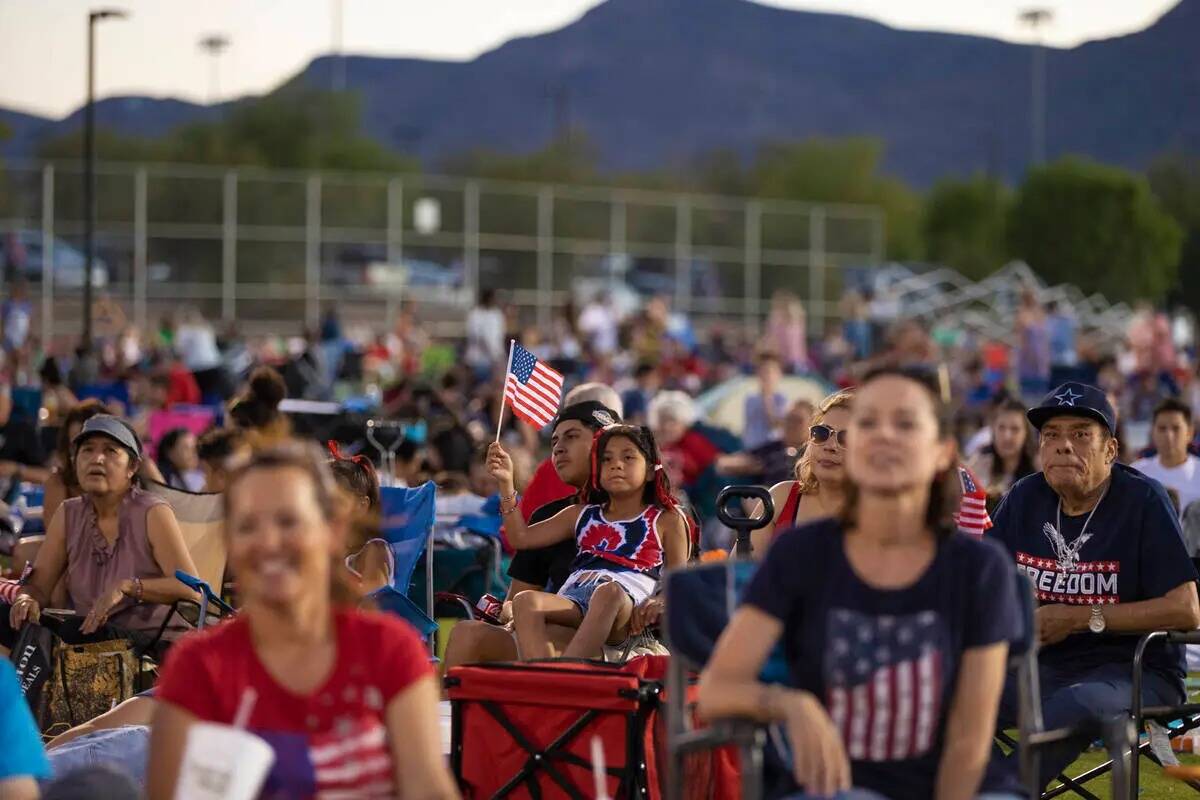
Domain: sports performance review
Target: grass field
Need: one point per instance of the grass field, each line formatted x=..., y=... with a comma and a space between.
x=1153, y=783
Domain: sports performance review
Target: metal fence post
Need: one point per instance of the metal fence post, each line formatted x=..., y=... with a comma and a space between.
x=545, y=256
x=139, y=248
x=752, y=274
x=229, y=217
x=471, y=240
x=47, y=256
x=683, y=254
x=816, y=269
x=878, y=237
x=312, y=251
x=618, y=219
x=395, y=237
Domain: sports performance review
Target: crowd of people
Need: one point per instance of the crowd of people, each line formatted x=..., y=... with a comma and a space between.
x=869, y=577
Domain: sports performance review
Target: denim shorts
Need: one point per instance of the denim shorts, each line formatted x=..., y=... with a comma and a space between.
x=581, y=585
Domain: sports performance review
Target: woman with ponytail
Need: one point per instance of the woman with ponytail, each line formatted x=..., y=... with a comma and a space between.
x=256, y=410
x=895, y=626
x=368, y=558
x=627, y=527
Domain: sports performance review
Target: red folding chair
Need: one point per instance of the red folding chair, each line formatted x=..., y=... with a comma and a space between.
x=525, y=730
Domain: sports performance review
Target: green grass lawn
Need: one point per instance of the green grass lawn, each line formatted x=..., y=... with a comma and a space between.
x=1153, y=783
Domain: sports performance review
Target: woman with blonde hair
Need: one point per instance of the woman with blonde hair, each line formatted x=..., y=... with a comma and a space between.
x=817, y=492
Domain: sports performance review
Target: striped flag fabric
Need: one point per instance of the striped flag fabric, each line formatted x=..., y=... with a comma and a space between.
x=533, y=389
x=972, y=516
x=884, y=678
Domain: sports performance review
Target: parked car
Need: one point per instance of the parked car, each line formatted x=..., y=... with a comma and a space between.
x=23, y=249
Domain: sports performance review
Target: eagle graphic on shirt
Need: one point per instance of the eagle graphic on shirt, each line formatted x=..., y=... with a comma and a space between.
x=1067, y=555
x=1064, y=578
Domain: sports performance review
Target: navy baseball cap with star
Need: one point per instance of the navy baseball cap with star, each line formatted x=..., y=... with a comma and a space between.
x=1075, y=400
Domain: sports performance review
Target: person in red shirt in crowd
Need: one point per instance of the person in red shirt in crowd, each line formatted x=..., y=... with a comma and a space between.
x=181, y=386
x=346, y=698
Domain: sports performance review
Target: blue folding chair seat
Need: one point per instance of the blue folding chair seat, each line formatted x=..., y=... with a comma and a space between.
x=105, y=392
x=26, y=404
x=25, y=514
x=699, y=603
x=407, y=517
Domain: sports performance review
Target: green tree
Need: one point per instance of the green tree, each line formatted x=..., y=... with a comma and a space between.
x=964, y=225
x=1175, y=180
x=841, y=171
x=1099, y=227
x=297, y=129
x=570, y=158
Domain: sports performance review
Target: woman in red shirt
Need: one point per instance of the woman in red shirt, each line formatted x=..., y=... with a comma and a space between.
x=346, y=698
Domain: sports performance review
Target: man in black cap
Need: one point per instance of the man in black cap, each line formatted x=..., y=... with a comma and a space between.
x=547, y=568
x=1103, y=548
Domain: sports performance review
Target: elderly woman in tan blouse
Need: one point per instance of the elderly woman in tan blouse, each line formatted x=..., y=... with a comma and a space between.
x=117, y=546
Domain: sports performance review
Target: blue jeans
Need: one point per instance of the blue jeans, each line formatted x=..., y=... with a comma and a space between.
x=125, y=748
x=1069, y=698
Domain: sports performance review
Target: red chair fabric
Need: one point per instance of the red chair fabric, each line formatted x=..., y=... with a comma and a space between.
x=525, y=730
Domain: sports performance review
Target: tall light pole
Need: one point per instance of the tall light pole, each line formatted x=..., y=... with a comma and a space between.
x=89, y=169
x=339, y=57
x=1035, y=18
x=214, y=44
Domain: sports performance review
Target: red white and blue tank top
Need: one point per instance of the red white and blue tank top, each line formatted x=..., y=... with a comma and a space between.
x=632, y=545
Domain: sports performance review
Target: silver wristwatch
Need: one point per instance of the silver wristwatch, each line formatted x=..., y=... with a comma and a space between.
x=1097, y=624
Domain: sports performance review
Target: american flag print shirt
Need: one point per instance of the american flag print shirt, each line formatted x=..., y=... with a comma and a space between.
x=885, y=679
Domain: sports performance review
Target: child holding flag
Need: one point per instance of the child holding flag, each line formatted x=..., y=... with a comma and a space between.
x=627, y=527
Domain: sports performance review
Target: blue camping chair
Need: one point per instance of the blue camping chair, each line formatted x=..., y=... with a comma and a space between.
x=699, y=602
x=407, y=517
x=27, y=404
x=105, y=392
x=210, y=597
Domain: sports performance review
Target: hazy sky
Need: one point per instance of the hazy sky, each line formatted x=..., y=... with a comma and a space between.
x=155, y=51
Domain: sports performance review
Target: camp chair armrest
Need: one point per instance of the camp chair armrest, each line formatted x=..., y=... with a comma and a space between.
x=1090, y=728
x=1139, y=659
x=738, y=732
x=458, y=599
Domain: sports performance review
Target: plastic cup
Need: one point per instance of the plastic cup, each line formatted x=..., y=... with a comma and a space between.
x=222, y=762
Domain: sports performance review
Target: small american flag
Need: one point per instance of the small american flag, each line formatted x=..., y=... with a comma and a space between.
x=884, y=679
x=972, y=516
x=533, y=389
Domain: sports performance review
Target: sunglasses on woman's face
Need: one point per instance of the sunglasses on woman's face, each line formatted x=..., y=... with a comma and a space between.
x=821, y=434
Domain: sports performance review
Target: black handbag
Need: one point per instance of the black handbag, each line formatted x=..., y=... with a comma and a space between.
x=33, y=658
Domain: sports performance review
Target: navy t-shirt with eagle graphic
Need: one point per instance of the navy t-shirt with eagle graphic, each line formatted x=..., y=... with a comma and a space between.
x=885, y=662
x=1132, y=550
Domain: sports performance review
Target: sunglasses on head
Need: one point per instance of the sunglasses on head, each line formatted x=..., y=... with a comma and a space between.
x=821, y=433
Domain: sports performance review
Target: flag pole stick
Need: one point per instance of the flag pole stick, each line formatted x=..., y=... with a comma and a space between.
x=503, y=389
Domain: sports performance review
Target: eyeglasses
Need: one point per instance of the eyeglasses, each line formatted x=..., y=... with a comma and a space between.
x=821, y=433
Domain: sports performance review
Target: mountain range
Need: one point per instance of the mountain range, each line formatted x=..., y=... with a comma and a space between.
x=655, y=82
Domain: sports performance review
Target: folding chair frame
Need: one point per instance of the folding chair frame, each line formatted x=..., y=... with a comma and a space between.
x=1188, y=713
x=209, y=599
x=748, y=736
x=1125, y=761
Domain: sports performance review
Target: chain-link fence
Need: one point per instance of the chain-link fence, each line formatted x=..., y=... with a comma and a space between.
x=271, y=249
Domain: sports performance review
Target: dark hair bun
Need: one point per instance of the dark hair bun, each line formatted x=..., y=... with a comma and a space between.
x=267, y=387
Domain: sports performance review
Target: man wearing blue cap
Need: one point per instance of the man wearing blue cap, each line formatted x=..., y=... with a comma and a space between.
x=1102, y=544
